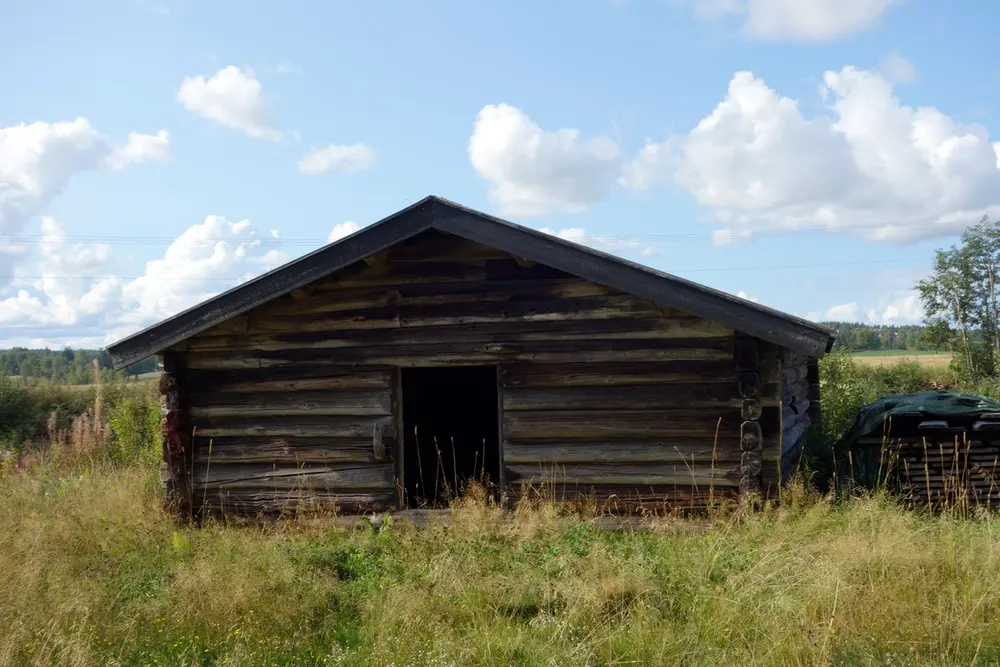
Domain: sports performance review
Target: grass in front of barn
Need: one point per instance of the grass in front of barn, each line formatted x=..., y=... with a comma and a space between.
x=93, y=573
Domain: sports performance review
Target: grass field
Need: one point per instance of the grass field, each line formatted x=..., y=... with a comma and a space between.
x=98, y=575
x=936, y=360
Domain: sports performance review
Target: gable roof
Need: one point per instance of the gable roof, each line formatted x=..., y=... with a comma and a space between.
x=445, y=216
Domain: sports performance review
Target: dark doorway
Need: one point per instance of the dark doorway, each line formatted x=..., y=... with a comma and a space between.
x=451, y=434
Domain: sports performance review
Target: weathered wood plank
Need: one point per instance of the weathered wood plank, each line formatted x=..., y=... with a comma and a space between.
x=266, y=404
x=624, y=499
x=621, y=451
x=583, y=308
x=650, y=397
x=313, y=378
x=306, y=427
x=623, y=424
x=623, y=474
x=615, y=373
x=268, y=501
x=304, y=476
x=435, y=294
x=283, y=450
x=491, y=332
x=457, y=353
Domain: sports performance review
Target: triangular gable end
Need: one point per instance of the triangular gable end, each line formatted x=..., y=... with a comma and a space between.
x=436, y=213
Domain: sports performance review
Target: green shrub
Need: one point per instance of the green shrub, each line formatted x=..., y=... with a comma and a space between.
x=134, y=417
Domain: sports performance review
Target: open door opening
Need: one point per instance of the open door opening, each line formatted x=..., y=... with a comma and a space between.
x=451, y=432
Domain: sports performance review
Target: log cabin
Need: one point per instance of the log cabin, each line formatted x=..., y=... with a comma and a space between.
x=441, y=345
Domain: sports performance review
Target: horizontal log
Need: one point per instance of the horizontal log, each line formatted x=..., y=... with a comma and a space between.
x=626, y=474
x=445, y=354
x=702, y=395
x=615, y=373
x=583, y=308
x=339, y=476
x=313, y=378
x=623, y=499
x=623, y=424
x=283, y=450
x=266, y=404
x=305, y=426
x=268, y=501
x=491, y=332
x=434, y=294
x=676, y=450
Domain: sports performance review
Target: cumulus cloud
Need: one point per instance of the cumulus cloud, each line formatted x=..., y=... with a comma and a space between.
x=743, y=295
x=141, y=148
x=340, y=231
x=345, y=159
x=872, y=166
x=798, y=20
x=232, y=97
x=78, y=296
x=37, y=160
x=534, y=172
x=615, y=246
x=898, y=69
x=895, y=307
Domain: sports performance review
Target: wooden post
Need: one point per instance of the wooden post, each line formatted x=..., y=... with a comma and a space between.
x=746, y=354
x=175, y=471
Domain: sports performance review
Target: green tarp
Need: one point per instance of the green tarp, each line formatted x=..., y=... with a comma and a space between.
x=927, y=405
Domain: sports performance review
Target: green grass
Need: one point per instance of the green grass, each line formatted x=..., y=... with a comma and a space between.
x=93, y=572
x=97, y=575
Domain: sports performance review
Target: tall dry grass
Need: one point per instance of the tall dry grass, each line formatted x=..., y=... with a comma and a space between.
x=95, y=573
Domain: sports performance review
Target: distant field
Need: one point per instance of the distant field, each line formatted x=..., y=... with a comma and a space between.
x=886, y=357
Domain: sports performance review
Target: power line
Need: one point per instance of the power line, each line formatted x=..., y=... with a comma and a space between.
x=675, y=271
x=314, y=241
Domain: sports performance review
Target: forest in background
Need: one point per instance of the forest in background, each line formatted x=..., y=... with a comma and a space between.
x=66, y=366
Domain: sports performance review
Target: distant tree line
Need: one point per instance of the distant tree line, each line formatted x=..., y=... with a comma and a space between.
x=65, y=366
x=858, y=337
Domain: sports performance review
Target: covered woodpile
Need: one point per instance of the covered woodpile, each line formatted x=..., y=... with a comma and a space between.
x=441, y=347
x=935, y=449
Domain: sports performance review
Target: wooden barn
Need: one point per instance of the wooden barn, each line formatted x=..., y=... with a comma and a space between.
x=441, y=344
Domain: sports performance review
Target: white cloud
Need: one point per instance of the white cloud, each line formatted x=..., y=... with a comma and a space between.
x=345, y=159
x=845, y=312
x=898, y=69
x=533, y=172
x=798, y=20
x=616, y=246
x=37, y=160
x=872, y=167
x=232, y=97
x=743, y=295
x=79, y=297
x=342, y=230
x=895, y=307
x=141, y=148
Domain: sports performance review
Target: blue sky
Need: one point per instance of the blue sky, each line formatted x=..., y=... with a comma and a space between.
x=810, y=154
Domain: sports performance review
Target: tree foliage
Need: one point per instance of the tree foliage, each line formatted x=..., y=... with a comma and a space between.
x=962, y=299
x=65, y=366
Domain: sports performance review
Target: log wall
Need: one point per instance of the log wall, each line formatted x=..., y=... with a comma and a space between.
x=800, y=405
x=603, y=395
